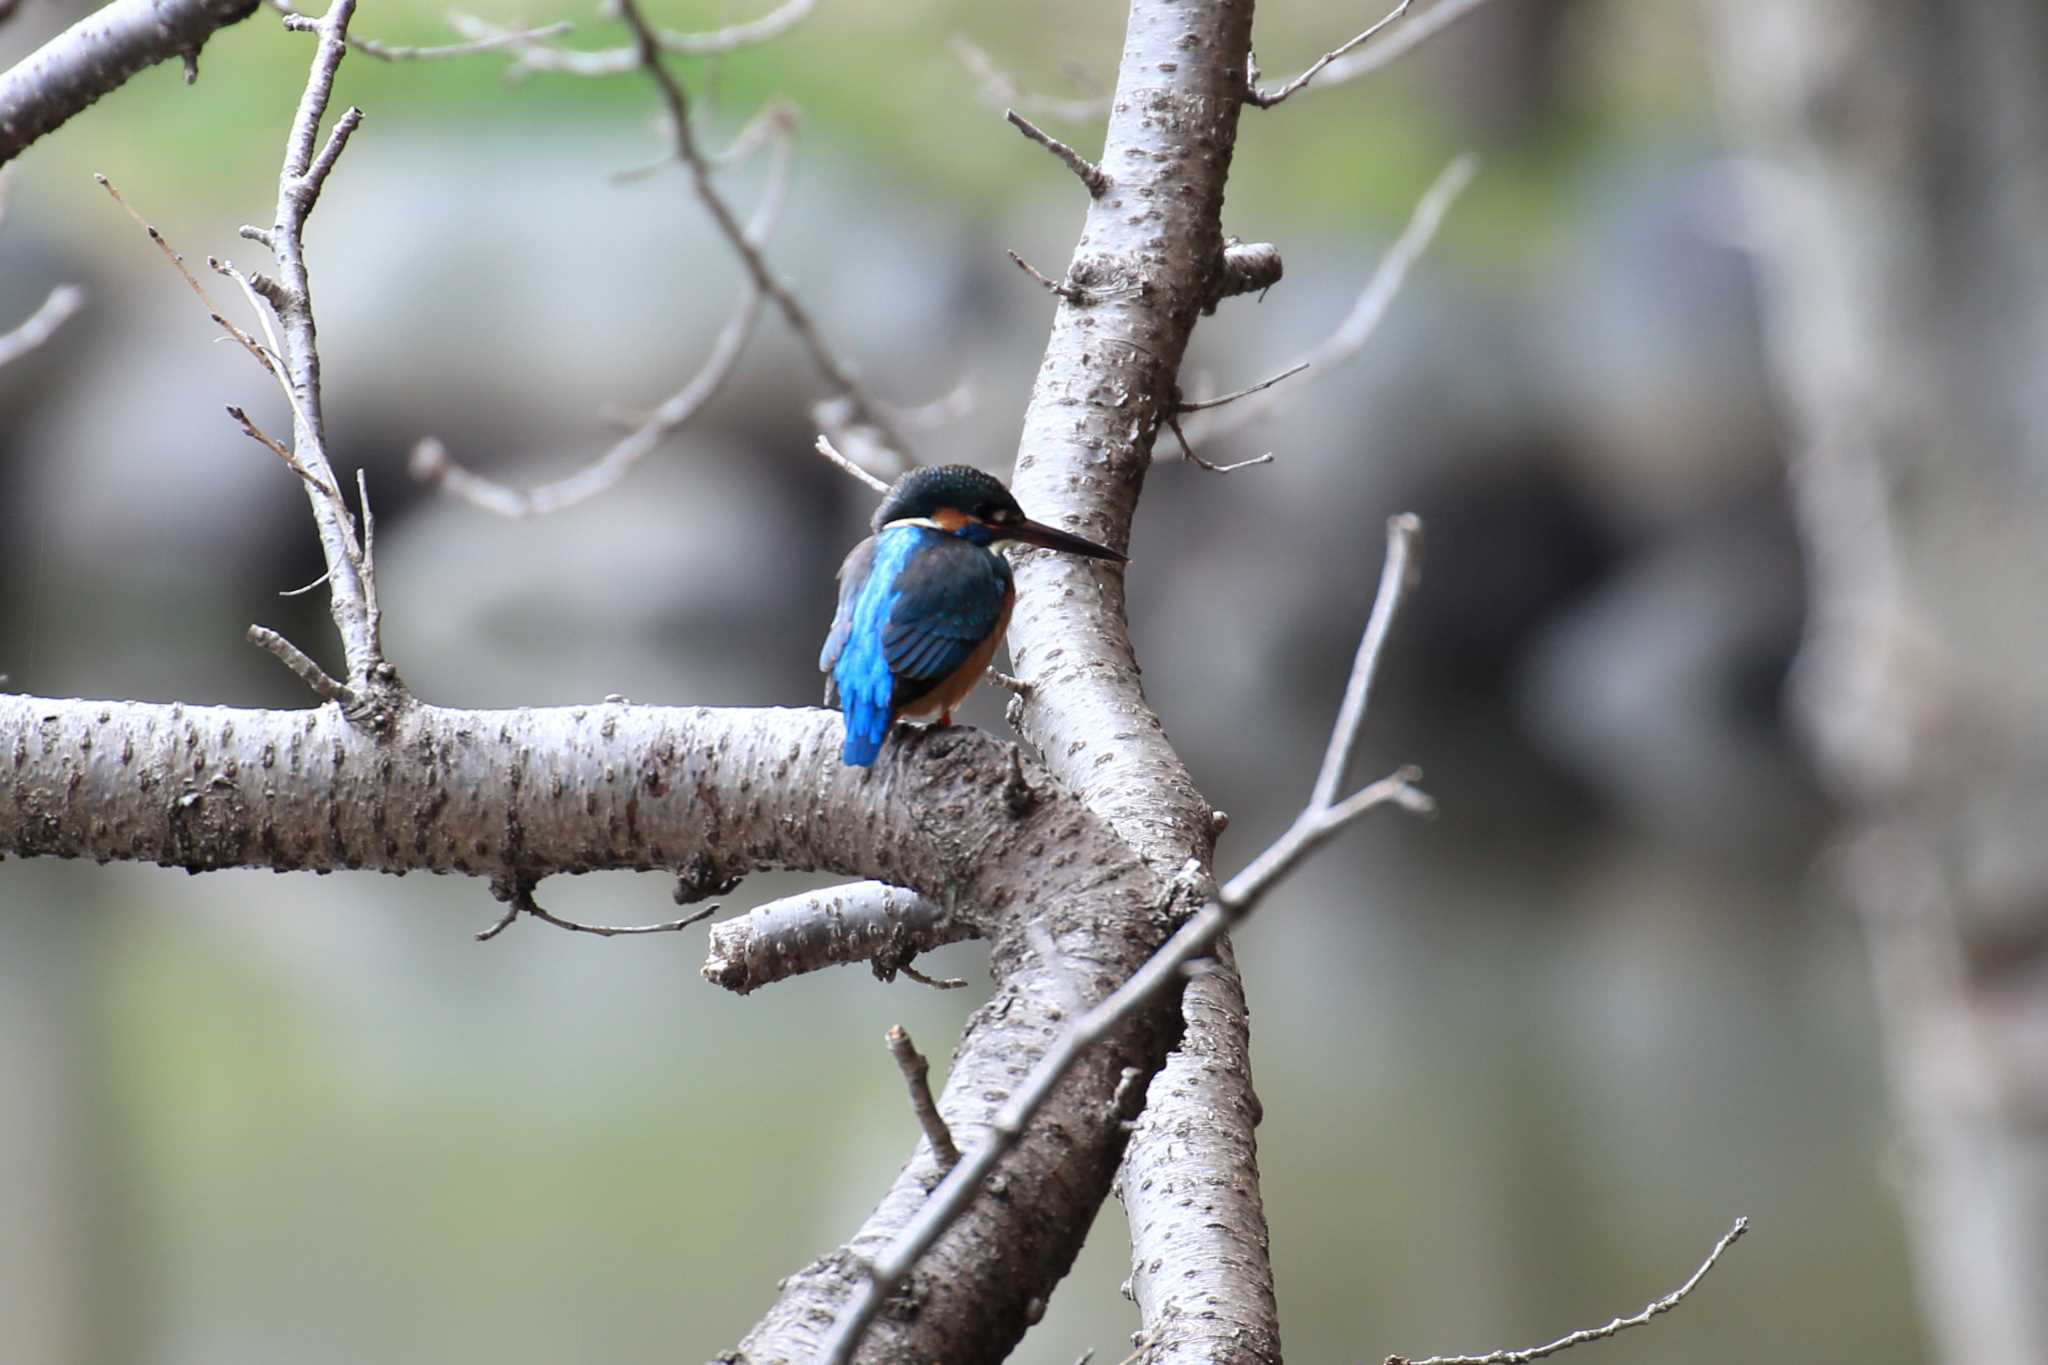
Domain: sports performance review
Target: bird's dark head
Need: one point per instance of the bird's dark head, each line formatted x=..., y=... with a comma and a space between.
x=964, y=501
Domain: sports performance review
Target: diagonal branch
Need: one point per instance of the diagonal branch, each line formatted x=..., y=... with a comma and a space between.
x=1266, y=99
x=97, y=55
x=431, y=462
x=1372, y=304
x=1322, y=818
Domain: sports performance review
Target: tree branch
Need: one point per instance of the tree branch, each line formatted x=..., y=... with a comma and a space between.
x=537, y=54
x=917, y=1077
x=352, y=585
x=1318, y=821
x=1265, y=99
x=431, y=462
x=97, y=55
x=1581, y=1337
x=39, y=326
x=1364, y=318
x=862, y=922
x=713, y=793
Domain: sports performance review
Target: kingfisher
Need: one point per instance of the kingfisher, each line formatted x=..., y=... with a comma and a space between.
x=924, y=601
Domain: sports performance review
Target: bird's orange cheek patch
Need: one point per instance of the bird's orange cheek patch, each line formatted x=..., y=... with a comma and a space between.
x=951, y=519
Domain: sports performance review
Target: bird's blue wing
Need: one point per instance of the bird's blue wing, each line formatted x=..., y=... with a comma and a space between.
x=949, y=597
x=864, y=687
x=852, y=574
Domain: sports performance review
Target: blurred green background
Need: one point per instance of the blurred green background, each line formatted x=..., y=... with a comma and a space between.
x=1520, y=1065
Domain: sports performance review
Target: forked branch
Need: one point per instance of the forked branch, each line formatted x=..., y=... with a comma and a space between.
x=1321, y=819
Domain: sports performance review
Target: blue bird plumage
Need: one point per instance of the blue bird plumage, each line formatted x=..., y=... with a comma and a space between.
x=924, y=602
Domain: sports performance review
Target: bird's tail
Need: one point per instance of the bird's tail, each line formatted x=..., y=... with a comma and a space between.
x=866, y=727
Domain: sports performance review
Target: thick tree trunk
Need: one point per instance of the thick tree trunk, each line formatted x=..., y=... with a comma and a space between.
x=1902, y=212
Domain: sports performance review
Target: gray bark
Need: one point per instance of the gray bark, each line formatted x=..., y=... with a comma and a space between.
x=97, y=55
x=1901, y=214
x=1149, y=261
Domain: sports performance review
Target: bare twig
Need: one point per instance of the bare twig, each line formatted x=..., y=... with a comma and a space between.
x=536, y=53
x=1065, y=291
x=1199, y=404
x=297, y=660
x=308, y=162
x=1162, y=972
x=275, y=447
x=42, y=324
x=936, y=983
x=1380, y=291
x=999, y=90
x=388, y=52
x=431, y=462
x=859, y=922
x=517, y=893
x=1581, y=1337
x=1091, y=175
x=1266, y=99
x=825, y=447
x=917, y=1076
x=1399, y=43
x=649, y=46
x=262, y=356
x=1188, y=452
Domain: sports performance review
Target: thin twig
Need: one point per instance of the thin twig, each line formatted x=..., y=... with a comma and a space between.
x=1065, y=291
x=1580, y=1338
x=999, y=90
x=537, y=54
x=1399, y=43
x=275, y=447
x=917, y=1076
x=1091, y=175
x=825, y=447
x=1398, y=576
x=517, y=892
x=299, y=662
x=177, y=260
x=1264, y=99
x=388, y=52
x=39, y=326
x=937, y=983
x=1161, y=973
x=1380, y=291
x=1199, y=404
x=648, y=45
x=431, y=462
x=1188, y=453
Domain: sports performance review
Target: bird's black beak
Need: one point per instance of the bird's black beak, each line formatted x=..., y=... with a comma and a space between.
x=1052, y=538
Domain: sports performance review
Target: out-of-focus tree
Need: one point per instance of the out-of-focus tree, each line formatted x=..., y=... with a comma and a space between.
x=1898, y=185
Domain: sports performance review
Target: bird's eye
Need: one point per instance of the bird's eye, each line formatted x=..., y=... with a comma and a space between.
x=997, y=514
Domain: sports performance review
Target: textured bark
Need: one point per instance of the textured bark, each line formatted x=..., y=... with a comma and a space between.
x=96, y=55
x=1201, y=1271
x=712, y=794
x=1150, y=260
x=863, y=922
x=1906, y=273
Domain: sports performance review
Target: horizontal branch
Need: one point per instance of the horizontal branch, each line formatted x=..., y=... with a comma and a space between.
x=712, y=793
x=862, y=922
x=97, y=55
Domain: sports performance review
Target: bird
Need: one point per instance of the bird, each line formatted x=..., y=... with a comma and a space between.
x=924, y=601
